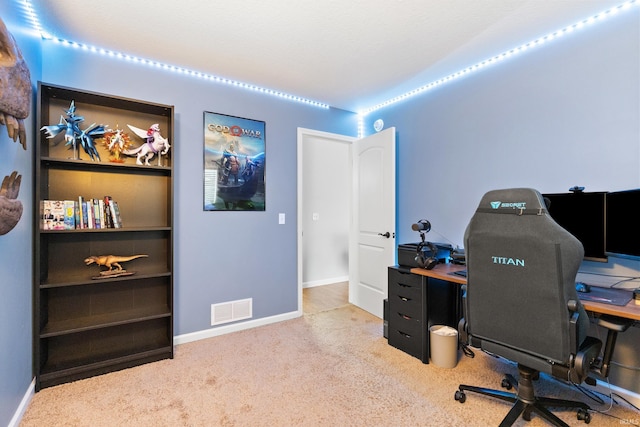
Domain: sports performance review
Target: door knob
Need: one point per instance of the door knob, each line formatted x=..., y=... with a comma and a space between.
x=387, y=234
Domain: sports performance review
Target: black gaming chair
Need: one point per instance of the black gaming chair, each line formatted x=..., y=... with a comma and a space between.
x=521, y=302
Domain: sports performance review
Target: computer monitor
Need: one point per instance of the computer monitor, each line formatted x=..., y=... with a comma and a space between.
x=583, y=215
x=623, y=224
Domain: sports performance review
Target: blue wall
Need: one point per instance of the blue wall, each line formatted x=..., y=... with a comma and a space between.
x=16, y=263
x=219, y=256
x=557, y=116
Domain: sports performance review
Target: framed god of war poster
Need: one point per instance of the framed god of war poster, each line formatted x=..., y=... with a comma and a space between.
x=234, y=163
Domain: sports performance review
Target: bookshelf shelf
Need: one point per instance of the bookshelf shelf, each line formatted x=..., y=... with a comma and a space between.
x=84, y=280
x=63, y=369
x=99, y=321
x=87, y=326
x=107, y=230
x=68, y=164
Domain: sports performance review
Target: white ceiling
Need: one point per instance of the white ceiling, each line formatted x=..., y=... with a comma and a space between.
x=350, y=54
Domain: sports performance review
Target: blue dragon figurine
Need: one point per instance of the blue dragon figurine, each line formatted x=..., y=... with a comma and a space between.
x=72, y=132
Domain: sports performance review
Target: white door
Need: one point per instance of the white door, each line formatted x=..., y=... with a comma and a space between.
x=372, y=234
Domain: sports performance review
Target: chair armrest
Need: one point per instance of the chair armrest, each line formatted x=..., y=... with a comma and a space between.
x=572, y=305
x=614, y=325
x=463, y=332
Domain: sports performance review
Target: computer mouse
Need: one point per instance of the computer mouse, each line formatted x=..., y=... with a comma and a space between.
x=582, y=287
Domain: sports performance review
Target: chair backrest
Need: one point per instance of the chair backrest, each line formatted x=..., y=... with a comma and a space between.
x=521, y=275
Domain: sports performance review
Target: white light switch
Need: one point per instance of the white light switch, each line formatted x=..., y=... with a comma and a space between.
x=316, y=216
x=281, y=218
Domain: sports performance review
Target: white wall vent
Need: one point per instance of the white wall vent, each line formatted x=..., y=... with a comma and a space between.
x=231, y=311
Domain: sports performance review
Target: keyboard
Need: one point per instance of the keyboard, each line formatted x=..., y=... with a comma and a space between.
x=461, y=273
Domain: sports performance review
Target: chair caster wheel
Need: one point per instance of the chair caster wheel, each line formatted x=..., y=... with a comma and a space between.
x=506, y=383
x=584, y=415
x=460, y=396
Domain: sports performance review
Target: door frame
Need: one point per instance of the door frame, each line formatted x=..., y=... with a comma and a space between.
x=304, y=133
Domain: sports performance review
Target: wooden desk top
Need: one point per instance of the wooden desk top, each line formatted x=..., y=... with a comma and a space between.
x=629, y=311
x=443, y=272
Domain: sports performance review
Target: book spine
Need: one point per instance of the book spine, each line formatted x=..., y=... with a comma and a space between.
x=69, y=214
x=76, y=213
x=97, y=213
x=112, y=210
x=90, y=219
x=81, y=213
x=106, y=214
x=46, y=222
x=57, y=210
x=84, y=215
x=118, y=219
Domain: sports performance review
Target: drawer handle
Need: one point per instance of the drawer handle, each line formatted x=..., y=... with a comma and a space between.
x=404, y=335
x=403, y=285
x=404, y=298
x=404, y=316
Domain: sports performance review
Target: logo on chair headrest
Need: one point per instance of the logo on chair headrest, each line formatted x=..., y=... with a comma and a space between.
x=508, y=261
x=513, y=205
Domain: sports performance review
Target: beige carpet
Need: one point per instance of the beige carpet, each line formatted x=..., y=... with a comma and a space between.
x=331, y=368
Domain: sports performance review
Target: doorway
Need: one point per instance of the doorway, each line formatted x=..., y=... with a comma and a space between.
x=326, y=297
x=324, y=205
x=350, y=183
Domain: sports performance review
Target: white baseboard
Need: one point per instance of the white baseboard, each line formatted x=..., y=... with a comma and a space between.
x=604, y=388
x=235, y=327
x=24, y=403
x=325, y=281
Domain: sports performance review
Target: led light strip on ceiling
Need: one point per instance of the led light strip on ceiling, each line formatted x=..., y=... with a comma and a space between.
x=32, y=18
x=506, y=55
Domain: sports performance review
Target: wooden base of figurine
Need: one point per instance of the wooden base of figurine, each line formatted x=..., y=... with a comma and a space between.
x=109, y=274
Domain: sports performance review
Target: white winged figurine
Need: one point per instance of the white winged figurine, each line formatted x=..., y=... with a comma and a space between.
x=155, y=144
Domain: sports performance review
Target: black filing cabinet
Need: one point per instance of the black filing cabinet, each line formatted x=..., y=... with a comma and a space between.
x=416, y=303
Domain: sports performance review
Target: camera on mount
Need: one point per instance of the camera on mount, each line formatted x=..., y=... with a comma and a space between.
x=423, y=254
x=423, y=226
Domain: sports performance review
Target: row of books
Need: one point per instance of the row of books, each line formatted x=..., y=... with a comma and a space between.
x=80, y=214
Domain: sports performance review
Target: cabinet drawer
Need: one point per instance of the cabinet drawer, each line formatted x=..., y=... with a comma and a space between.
x=406, y=323
x=406, y=292
x=406, y=306
x=413, y=344
x=406, y=278
x=407, y=285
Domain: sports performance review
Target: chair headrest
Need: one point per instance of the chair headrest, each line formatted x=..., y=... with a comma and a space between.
x=513, y=200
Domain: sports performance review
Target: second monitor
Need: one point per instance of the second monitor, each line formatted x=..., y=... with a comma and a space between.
x=583, y=215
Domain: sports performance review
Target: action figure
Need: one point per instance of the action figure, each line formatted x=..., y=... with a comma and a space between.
x=116, y=142
x=73, y=134
x=112, y=263
x=155, y=144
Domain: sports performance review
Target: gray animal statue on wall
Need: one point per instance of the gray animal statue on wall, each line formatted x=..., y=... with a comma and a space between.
x=10, y=206
x=15, y=87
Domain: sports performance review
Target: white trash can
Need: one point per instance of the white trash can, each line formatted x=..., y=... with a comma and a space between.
x=443, y=346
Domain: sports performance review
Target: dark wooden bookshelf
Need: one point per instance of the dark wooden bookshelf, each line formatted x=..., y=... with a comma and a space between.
x=86, y=324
